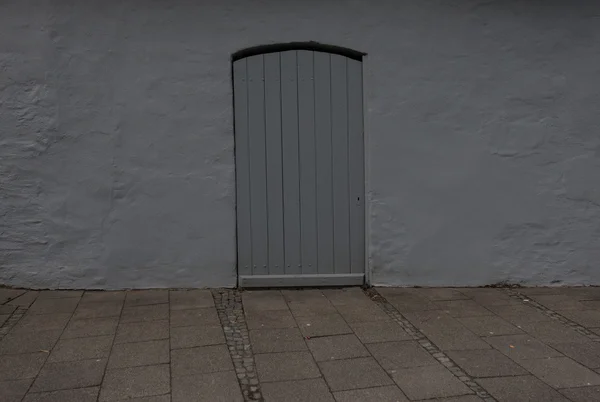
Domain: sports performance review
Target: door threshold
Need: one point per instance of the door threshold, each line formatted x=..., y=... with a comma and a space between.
x=317, y=280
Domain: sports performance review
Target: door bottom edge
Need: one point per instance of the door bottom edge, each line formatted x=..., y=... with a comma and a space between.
x=318, y=280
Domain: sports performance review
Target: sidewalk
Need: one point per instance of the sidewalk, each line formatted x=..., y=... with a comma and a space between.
x=384, y=344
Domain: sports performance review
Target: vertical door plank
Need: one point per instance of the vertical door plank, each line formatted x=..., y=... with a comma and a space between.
x=291, y=174
x=242, y=168
x=306, y=133
x=323, y=162
x=356, y=167
x=339, y=134
x=258, y=178
x=274, y=163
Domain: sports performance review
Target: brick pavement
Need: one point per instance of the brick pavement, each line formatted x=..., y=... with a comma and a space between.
x=384, y=344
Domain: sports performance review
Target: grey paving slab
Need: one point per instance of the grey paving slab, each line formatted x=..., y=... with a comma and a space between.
x=429, y=382
x=98, y=310
x=463, y=308
x=379, y=331
x=9, y=294
x=25, y=300
x=558, y=302
x=587, y=318
x=276, y=340
x=195, y=317
x=188, y=337
x=463, y=398
x=4, y=318
x=54, y=306
x=201, y=360
x=18, y=367
x=437, y=294
x=43, y=322
x=69, y=375
x=303, y=295
x=266, y=300
x=90, y=327
x=304, y=308
x=314, y=390
x=389, y=393
x=191, y=299
x=152, y=312
x=519, y=314
x=211, y=387
x=485, y=363
x=362, y=314
x=489, y=325
x=397, y=355
x=489, y=297
x=346, y=296
x=59, y=294
x=146, y=297
x=582, y=394
x=135, y=382
x=520, y=347
x=142, y=331
x=155, y=398
x=587, y=354
x=13, y=391
x=445, y=331
x=139, y=354
x=70, y=395
x=520, y=389
x=363, y=372
x=103, y=296
x=543, y=290
x=286, y=366
x=81, y=349
x=323, y=325
x=407, y=300
x=336, y=347
x=561, y=372
x=28, y=342
x=269, y=319
x=553, y=332
x=7, y=309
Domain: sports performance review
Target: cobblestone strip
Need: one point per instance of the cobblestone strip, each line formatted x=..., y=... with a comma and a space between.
x=433, y=350
x=231, y=313
x=553, y=314
x=12, y=320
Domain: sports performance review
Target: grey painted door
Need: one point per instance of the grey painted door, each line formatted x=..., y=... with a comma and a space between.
x=299, y=169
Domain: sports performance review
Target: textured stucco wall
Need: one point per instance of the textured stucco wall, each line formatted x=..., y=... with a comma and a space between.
x=116, y=137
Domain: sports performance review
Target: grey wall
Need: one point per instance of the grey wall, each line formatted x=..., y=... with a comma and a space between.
x=116, y=137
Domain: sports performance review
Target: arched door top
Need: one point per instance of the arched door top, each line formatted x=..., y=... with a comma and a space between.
x=281, y=47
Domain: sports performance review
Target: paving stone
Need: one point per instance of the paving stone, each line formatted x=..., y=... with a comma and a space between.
x=323, y=325
x=587, y=318
x=18, y=367
x=146, y=297
x=362, y=314
x=59, y=294
x=521, y=388
x=43, y=322
x=444, y=331
x=13, y=391
x=155, y=398
x=357, y=373
x=582, y=394
x=306, y=308
x=558, y=302
x=314, y=390
x=519, y=347
x=145, y=313
x=25, y=300
x=269, y=319
x=193, y=361
x=142, y=331
x=390, y=393
x=429, y=382
x=303, y=295
x=103, y=296
x=489, y=297
x=463, y=308
x=97, y=310
x=346, y=296
x=135, y=382
x=286, y=366
x=519, y=314
x=211, y=387
x=379, y=331
x=81, y=349
x=407, y=299
x=7, y=309
x=485, y=363
x=28, y=342
x=553, y=332
x=90, y=327
x=464, y=398
x=191, y=299
x=437, y=294
x=54, y=306
x=276, y=340
x=587, y=354
x=9, y=294
x=489, y=325
x=336, y=347
x=4, y=318
x=398, y=355
x=188, y=337
x=542, y=290
x=195, y=317
x=139, y=354
x=68, y=375
x=561, y=372
x=70, y=395
x=263, y=300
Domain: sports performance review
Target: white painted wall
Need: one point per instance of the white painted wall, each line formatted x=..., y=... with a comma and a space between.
x=116, y=137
